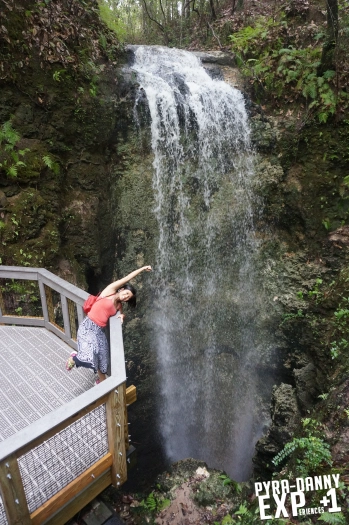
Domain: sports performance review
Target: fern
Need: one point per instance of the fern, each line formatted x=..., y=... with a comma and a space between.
x=51, y=164
x=288, y=73
x=154, y=503
x=242, y=510
x=9, y=135
x=8, y=150
x=329, y=74
x=309, y=453
x=151, y=502
x=12, y=171
x=333, y=518
x=310, y=90
x=47, y=161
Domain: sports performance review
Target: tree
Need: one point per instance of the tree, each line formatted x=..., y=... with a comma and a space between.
x=328, y=59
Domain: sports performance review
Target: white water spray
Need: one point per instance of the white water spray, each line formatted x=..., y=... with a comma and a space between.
x=208, y=316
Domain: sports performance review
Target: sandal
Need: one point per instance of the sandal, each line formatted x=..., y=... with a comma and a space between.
x=70, y=362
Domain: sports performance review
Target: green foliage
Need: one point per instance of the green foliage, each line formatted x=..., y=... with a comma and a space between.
x=21, y=297
x=323, y=396
x=333, y=518
x=326, y=223
x=154, y=503
x=253, y=40
x=340, y=344
x=10, y=155
x=112, y=18
x=8, y=136
x=226, y=480
x=242, y=510
x=292, y=316
x=51, y=164
x=306, y=453
x=285, y=73
x=93, y=90
x=315, y=292
x=58, y=75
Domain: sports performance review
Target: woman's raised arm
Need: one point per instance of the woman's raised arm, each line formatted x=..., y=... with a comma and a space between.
x=114, y=287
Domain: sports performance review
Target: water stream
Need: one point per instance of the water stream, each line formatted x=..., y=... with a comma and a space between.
x=208, y=316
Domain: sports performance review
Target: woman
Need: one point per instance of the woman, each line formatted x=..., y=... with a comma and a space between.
x=93, y=349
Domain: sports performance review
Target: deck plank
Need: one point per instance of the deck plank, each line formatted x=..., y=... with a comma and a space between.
x=33, y=377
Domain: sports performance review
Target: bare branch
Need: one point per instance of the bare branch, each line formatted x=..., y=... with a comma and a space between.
x=155, y=21
x=214, y=34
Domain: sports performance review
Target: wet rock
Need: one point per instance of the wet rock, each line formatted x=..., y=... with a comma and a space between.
x=340, y=236
x=269, y=175
x=306, y=385
x=3, y=199
x=198, y=494
x=285, y=416
x=264, y=132
x=234, y=77
x=337, y=428
x=221, y=58
x=182, y=86
x=214, y=71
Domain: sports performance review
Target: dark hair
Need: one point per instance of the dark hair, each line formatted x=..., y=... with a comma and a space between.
x=133, y=301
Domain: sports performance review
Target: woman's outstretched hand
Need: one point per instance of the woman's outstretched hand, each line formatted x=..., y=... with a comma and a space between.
x=113, y=287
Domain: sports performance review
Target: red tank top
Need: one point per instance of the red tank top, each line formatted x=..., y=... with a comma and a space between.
x=101, y=311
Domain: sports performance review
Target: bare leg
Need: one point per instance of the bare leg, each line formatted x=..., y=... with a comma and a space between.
x=101, y=376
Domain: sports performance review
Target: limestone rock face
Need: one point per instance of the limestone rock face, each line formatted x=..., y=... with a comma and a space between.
x=221, y=58
x=340, y=236
x=285, y=415
x=306, y=385
x=3, y=199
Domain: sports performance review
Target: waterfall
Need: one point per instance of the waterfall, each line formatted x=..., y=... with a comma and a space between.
x=207, y=317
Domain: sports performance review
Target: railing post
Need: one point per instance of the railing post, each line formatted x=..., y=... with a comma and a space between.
x=2, y=305
x=115, y=407
x=65, y=313
x=49, y=303
x=12, y=492
x=80, y=312
x=43, y=300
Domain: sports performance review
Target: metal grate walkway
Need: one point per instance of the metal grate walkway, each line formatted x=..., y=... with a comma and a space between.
x=33, y=377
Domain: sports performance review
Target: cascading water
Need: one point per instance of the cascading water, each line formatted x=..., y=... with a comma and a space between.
x=208, y=315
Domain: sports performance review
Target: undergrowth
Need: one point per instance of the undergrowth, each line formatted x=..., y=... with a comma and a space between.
x=284, y=68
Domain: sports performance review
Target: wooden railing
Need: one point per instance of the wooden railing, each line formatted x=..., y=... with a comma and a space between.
x=110, y=468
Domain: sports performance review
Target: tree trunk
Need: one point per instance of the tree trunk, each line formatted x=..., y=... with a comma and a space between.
x=332, y=21
x=328, y=60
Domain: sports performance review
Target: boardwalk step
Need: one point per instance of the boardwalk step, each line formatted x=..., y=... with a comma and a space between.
x=100, y=514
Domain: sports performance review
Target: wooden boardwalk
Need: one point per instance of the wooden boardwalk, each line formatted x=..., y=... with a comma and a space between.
x=62, y=439
x=33, y=377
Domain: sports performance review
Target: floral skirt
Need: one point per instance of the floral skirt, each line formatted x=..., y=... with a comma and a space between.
x=93, y=348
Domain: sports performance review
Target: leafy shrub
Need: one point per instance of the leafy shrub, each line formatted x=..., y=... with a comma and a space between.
x=10, y=155
x=333, y=519
x=308, y=453
x=286, y=72
x=340, y=333
x=112, y=19
x=154, y=503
